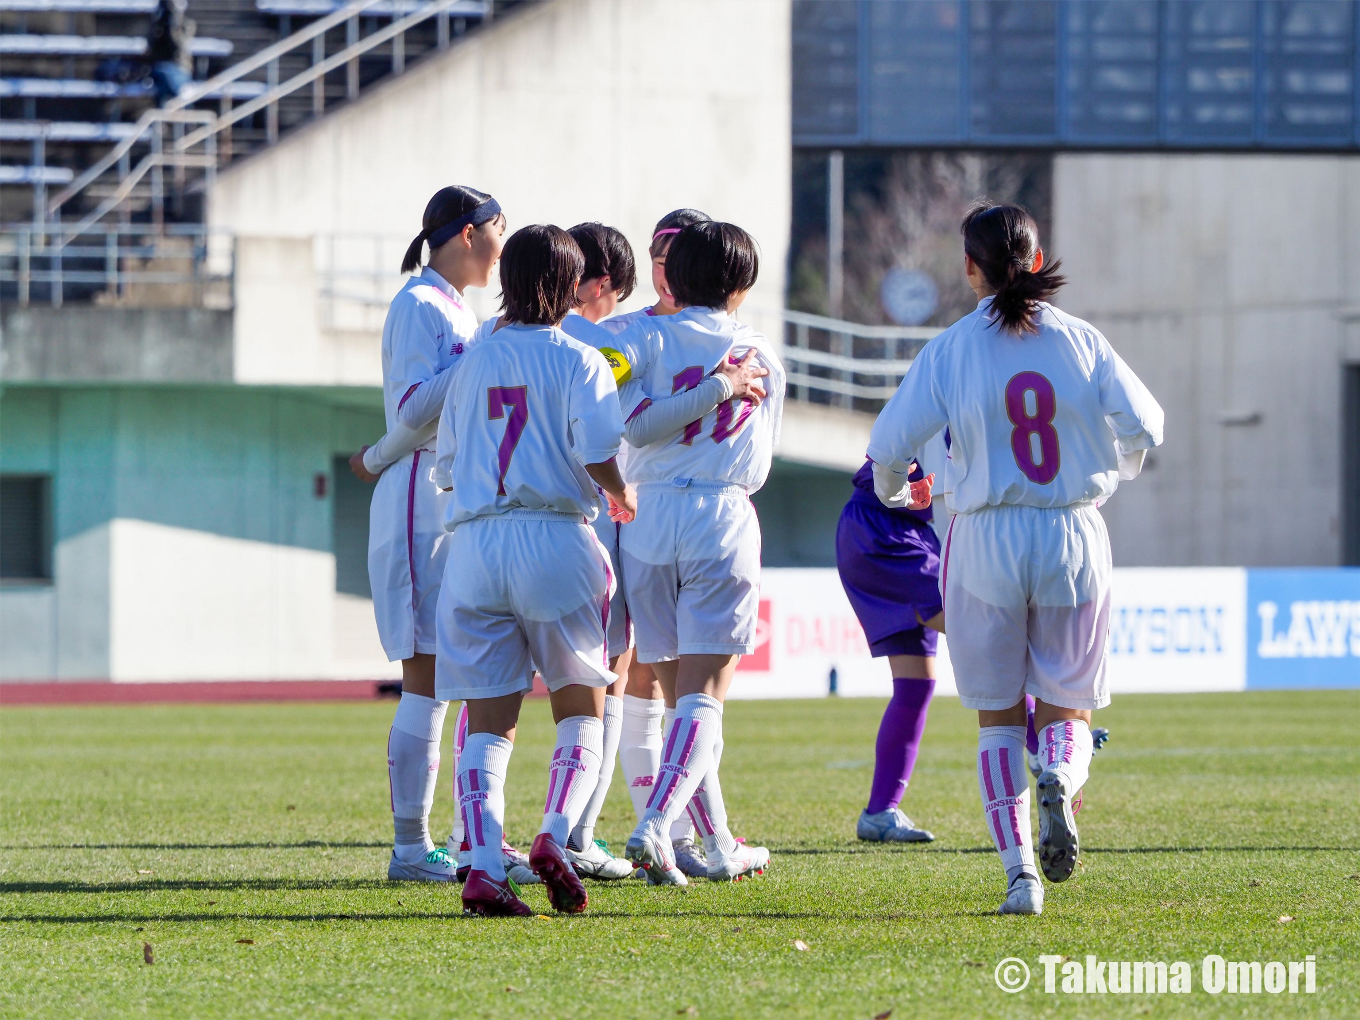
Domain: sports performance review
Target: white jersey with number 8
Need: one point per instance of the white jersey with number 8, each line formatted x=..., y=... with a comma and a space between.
x=1039, y=419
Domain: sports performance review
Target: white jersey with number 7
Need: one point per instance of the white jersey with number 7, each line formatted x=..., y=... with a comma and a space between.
x=1039, y=419
x=530, y=408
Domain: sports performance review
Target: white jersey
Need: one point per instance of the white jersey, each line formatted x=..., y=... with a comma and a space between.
x=529, y=408
x=1035, y=420
x=428, y=329
x=618, y=323
x=655, y=357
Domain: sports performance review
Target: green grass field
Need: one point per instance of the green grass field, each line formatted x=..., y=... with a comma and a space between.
x=1208, y=821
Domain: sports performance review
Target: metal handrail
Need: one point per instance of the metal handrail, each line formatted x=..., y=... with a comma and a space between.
x=175, y=111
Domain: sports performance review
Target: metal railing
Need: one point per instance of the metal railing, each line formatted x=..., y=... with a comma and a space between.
x=175, y=265
x=847, y=364
x=183, y=139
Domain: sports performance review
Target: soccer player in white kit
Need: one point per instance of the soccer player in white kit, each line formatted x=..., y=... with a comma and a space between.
x=691, y=563
x=428, y=329
x=531, y=426
x=1045, y=419
x=645, y=710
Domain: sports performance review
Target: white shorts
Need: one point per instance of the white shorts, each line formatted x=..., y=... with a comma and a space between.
x=407, y=545
x=1027, y=606
x=620, y=634
x=523, y=589
x=691, y=562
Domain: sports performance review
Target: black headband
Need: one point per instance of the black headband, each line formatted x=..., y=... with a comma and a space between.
x=488, y=210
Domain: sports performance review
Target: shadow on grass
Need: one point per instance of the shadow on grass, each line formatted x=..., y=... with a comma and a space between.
x=306, y=844
x=457, y=914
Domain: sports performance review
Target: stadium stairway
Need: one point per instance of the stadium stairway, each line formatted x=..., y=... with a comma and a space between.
x=74, y=86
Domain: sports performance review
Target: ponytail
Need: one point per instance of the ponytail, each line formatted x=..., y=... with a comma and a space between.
x=1003, y=240
x=447, y=214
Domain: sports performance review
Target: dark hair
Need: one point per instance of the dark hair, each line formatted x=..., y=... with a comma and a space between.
x=1003, y=240
x=607, y=253
x=709, y=262
x=541, y=267
x=669, y=225
x=449, y=205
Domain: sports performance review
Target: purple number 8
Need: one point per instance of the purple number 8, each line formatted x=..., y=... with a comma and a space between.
x=1040, y=424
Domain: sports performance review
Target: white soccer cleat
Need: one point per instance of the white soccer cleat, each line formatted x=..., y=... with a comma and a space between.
x=1025, y=896
x=516, y=864
x=891, y=826
x=1059, y=846
x=435, y=866
x=653, y=854
x=689, y=858
x=743, y=862
x=595, y=861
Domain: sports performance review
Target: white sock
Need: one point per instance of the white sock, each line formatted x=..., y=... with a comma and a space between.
x=681, y=828
x=1065, y=747
x=709, y=812
x=459, y=738
x=685, y=759
x=1003, y=781
x=640, y=747
x=413, y=771
x=584, y=833
x=481, y=799
x=572, y=775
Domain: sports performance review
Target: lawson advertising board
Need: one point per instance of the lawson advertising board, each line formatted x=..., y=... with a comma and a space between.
x=1171, y=629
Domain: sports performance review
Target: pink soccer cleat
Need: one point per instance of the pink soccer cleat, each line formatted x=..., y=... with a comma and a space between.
x=743, y=862
x=549, y=861
x=484, y=896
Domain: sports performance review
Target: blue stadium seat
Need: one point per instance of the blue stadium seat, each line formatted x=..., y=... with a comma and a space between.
x=386, y=8
x=63, y=131
x=77, y=6
x=36, y=174
x=98, y=46
x=78, y=88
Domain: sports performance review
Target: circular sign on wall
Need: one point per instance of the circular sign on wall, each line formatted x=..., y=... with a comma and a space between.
x=909, y=296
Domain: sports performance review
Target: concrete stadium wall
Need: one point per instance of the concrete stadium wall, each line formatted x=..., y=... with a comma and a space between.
x=570, y=110
x=191, y=540
x=1230, y=284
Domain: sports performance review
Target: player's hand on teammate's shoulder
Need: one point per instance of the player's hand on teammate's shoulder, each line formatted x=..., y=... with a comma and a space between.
x=743, y=374
x=624, y=510
x=919, y=497
x=356, y=464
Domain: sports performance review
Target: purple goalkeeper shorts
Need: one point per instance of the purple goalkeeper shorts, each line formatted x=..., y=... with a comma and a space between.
x=890, y=567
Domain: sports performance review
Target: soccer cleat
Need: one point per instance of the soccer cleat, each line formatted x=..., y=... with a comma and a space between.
x=891, y=826
x=1099, y=738
x=689, y=858
x=516, y=864
x=653, y=855
x=1035, y=762
x=435, y=866
x=1058, y=845
x=1025, y=896
x=550, y=864
x=595, y=861
x=743, y=862
x=484, y=896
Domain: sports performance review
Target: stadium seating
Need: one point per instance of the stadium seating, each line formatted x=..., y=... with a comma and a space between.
x=99, y=46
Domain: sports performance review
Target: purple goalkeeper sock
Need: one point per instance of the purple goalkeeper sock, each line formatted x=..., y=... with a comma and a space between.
x=899, y=738
x=1031, y=738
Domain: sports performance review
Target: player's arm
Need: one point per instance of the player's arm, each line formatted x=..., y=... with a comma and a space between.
x=1133, y=414
x=654, y=420
x=597, y=431
x=914, y=414
x=446, y=445
x=414, y=368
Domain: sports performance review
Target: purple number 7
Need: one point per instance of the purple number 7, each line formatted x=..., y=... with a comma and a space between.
x=498, y=398
x=687, y=380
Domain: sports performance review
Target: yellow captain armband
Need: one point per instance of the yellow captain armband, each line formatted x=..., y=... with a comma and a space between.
x=618, y=364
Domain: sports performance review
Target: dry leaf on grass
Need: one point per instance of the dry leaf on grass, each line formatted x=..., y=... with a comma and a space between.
x=659, y=935
x=292, y=807
x=688, y=1011
x=245, y=942
x=143, y=871
x=800, y=945
x=1254, y=883
x=634, y=951
x=146, y=953
x=512, y=988
x=884, y=1015
x=1285, y=918
x=212, y=903
x=972, y=963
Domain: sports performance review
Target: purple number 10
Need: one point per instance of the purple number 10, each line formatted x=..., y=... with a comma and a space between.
x=498, y=398
x=1044, y=468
